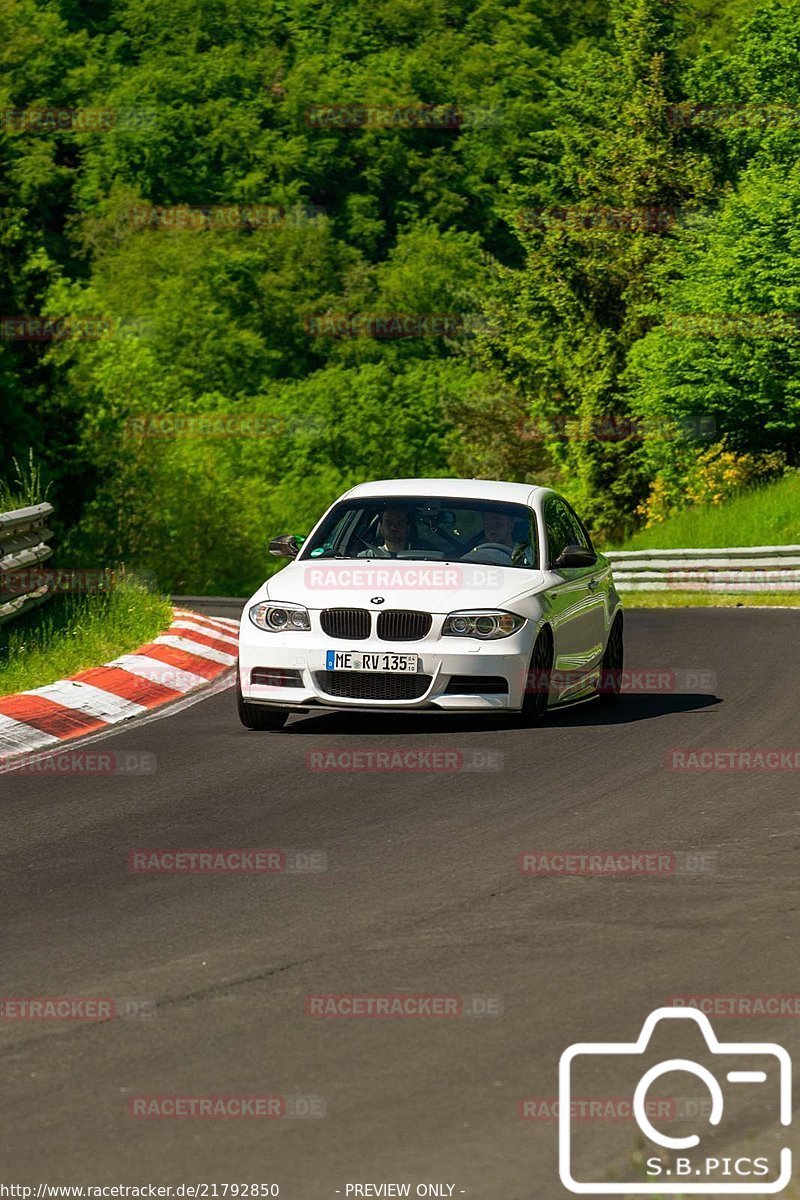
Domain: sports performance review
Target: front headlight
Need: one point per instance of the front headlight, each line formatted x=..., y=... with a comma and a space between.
x=280, y=618
x=483, y=625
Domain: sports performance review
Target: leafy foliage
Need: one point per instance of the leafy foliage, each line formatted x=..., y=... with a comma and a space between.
x=556, y=323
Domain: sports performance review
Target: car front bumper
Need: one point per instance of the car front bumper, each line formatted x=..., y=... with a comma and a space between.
x=445, y=663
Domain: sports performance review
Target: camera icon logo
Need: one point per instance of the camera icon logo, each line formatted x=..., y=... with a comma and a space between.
x=676, y=1172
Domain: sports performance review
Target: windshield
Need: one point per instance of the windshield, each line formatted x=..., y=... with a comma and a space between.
x=430, y=530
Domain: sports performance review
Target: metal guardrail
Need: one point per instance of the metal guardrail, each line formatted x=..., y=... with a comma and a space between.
x=23, y=546
x=725, y=569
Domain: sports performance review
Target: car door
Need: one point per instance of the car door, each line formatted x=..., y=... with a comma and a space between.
x=598, y=577
x=577, y=605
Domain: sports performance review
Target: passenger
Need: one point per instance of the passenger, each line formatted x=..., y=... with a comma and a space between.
x=393, y=533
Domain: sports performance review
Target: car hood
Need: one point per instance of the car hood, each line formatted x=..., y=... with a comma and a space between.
x=436, y=587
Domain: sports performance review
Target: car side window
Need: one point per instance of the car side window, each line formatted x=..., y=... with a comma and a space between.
x=558, y=528
x=580, y=536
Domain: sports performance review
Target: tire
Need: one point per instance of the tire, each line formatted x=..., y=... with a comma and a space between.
x=258, y=716
x=534, y=704
x=613, y=661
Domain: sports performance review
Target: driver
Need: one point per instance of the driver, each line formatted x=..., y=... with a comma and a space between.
x=393, y=529
x=497, y=539
x=498, y=527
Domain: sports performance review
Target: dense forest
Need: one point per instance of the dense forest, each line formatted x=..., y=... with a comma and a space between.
x=254, y=252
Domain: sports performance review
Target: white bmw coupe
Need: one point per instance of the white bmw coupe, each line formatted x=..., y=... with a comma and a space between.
x=460, y=595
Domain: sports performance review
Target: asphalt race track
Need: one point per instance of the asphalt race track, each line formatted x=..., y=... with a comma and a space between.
x=422, y=894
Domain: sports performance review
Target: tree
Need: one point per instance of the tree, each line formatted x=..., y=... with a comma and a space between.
x=603, y=191
x=726, y=351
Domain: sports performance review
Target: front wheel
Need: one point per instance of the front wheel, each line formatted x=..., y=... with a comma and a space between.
x=537, y=685
x=258, y=716
x=611, y=669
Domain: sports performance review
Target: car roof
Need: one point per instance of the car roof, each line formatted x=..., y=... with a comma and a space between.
x=451, y=489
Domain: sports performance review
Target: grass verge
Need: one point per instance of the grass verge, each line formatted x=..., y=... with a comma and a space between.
x=710, y=599
x=764, y=516
x=71, y=633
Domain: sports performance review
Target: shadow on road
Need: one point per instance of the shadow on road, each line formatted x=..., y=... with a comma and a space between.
x=639, y=707
x=590, y=713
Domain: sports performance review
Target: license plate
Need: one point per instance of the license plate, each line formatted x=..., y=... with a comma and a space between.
x=356, y=660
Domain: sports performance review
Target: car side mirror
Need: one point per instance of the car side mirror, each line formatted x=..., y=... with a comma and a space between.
x=286, y=546
x=575, y=556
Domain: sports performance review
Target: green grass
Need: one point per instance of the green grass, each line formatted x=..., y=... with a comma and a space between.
x=710, y=599
x=764, y=516
x=27, y=487
x=72, y=633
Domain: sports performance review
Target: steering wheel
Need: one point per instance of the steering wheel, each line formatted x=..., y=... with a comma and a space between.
x=492, y=546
